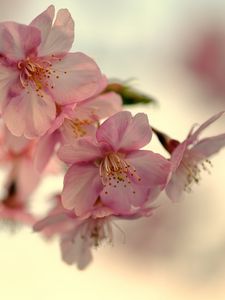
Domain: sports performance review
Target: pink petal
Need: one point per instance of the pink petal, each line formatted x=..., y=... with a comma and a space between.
x=70, y=132
x=98, y=107
x=176, y=185
x=102, y=85
x=17, y=215
x=75, y=249
x=44, y=23
x=81, y=80
x=45, y=150
x=49, y=221
x=29, y=115
x=82, y=150
x=82, y=186
x=152, y=168
x=125, y=133
x=65, y=111
x=17, y=41
x=209, y=146
x=178, y=154
x=57, y=38
x=14, y=143
x=142, y=186
x=124, y=198
x=195, y=135
x=8, y=78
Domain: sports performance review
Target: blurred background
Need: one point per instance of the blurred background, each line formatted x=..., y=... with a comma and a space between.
x=175, y=51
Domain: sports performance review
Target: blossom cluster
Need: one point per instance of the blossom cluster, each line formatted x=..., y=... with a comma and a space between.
x=61, y=114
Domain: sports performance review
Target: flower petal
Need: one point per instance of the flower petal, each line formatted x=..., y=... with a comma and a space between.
x=82, y=150
x=82, y=186
x=125, y=133
x=79, y=78
x=57, y=38
x=195, y=135
x=44, y=23
x=141, y=186
x=45, y=149
x=14, y=143
x=8, y=77
x=18, y=41
x=209, y=146
x=63, y=112
x=98, y=107
x=152, y=168
x=29, y=115
x=75, y=249
x=178, y=154
x=50, y=220
x=123, y=199
x=70, y=132
x=176, y=185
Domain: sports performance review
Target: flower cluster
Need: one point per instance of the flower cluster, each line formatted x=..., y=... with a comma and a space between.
x=59, y=112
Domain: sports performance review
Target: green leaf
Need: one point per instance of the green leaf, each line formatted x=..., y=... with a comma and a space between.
x=129, y=94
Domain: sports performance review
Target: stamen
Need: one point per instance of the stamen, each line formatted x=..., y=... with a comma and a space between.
x=114, y=168
x=193, y=171
x=78, y=126
x=36, y=73
x=97, y=230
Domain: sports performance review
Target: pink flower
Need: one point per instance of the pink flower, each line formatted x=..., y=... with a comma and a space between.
x=36, y=72
x=57, y=221
x=76, y=245
x=79, y=235
x=76, y=121
x=87, y=114
x=112, y=166
x=190, y=157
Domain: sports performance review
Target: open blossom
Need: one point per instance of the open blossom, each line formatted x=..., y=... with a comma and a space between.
x=37, y=73
x=112, y=166
x=190, y=157
x=79, y=235
x=75, y=121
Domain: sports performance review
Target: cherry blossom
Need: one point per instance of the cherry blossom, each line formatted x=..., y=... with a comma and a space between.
x=75, y=121
x=37, y=73
x=191, y=157
x=112, y=166
x=79, y=235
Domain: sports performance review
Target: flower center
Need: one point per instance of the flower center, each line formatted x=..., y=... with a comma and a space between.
x=78, y=127
x=97, y=230
x=115, y=171
x=38, y=74
x=193, y=171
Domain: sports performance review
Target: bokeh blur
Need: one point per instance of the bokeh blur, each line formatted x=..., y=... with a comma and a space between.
x=175, y=51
